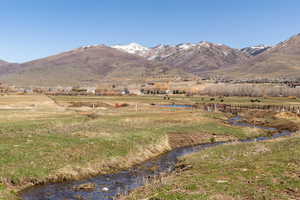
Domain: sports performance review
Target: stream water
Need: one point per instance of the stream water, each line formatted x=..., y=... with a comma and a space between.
x=108, y=187
x=175, y=106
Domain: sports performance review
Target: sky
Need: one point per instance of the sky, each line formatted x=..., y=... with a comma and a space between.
x=32, y=29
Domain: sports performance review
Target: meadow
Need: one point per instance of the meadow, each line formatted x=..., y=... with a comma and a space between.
x=45, y=139
x=260, y=171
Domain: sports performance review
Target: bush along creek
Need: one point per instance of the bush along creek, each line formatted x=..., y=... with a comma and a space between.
x=110, y=186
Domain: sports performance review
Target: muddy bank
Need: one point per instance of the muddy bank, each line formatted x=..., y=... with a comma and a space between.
x=177, y=140
x=280, y=121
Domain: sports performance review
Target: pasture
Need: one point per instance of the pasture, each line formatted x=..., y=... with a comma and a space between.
x=44, y=139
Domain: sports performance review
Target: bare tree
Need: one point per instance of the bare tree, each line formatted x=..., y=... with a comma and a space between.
x=251, y=90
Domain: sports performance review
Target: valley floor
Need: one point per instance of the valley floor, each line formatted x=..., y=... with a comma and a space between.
x=46, y=139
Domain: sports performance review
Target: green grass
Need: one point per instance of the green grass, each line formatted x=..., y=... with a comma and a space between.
x=32, y=144
x=36, y=144
x=47, y=140
x=268, y=170
x=247, y=100
x=180, y=99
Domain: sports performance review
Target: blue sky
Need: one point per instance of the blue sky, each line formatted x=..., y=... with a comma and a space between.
x=32, y=29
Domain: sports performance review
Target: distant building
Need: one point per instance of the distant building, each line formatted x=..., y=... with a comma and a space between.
x=28, y=90
x=135, y=91
x=91, y=90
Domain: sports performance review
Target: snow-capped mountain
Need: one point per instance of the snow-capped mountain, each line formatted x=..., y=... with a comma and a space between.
x=161, y=52
x=193, y=57
x=132, y=48
x=196, y=57
x=255, y=50
x=133, y=62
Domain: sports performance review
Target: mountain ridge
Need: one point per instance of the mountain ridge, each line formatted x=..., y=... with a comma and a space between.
x=280, y=61
x=90, y=65
x=255, y=50
x=132, y=48
x=83, y=66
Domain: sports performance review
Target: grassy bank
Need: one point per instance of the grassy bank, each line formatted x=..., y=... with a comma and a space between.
x=268, y=170
x=265, y=170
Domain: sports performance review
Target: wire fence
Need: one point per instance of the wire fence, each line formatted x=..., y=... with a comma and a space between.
x=235, y=108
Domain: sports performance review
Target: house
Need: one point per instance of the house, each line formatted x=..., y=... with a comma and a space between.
x=91, y=90
x=135, y=91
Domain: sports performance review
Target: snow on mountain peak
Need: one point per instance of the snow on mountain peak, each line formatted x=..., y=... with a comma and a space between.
x=255, y=50
x=259, y=47
x=163, y=51
x=185, y=46
x=132, y=48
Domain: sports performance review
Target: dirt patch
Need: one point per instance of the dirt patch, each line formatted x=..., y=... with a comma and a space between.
x=27, y=102
x=258, y=114
x=281, y=121
x=287, y=115
x=120, y=105
x=177, y=140
x=89, y=104
x=284, y=124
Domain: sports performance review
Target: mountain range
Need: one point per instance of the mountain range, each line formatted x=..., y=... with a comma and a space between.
x=90, y=65
x=196, y=58
x=280, y=61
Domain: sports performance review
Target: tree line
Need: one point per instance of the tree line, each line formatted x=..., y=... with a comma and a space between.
x=251, y=90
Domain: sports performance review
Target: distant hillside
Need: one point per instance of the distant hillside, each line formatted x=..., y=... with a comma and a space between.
x=83, y=66
x=280, y=61
x=6, y=67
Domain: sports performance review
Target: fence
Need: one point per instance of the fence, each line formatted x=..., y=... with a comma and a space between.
x=235, y=108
